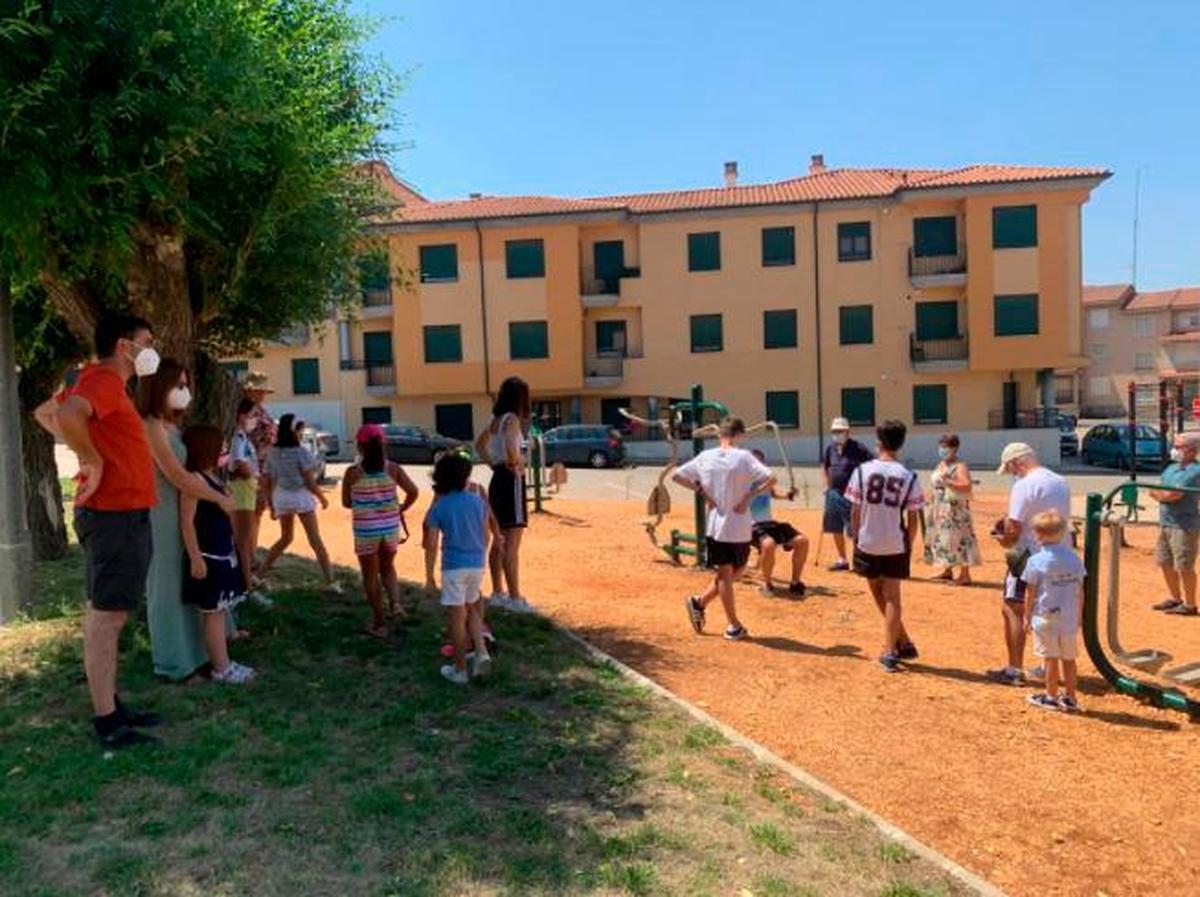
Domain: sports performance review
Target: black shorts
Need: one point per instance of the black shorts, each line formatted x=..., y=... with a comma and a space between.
x=718, y=554
x=506, y=495
x=777, y=531
x=116, y=548
x=881, y=566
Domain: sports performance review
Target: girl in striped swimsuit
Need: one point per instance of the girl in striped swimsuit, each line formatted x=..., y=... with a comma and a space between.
x=369, y=490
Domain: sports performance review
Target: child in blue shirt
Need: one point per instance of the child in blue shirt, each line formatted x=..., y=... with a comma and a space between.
x=1054, y=578
x=463, y=519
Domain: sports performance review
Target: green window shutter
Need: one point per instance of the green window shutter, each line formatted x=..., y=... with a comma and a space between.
x=854, y=241
x=929, y=404
x=439, y=264
x=937, y=320
x=1016, y=315
x=784, y=408
x=778, y=246
x=376, y=414
x=707, y=333
x=610, y=411
x=528, y=339
x=856, y=325
x=1014, y=227
x=524, y=258
x=377, y=348
x=611, y=337
x=935, y=236
x=454, y=420
x=306, y=376
x=779, y=329
x=704, y=251
x=443, y=343
x=608, y=258
x=858, y=405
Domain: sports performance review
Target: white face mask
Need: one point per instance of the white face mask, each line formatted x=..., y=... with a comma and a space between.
x=943, y=452
x=1176, y=455
x=840, y=438
x=179, y=398
x=145, y=362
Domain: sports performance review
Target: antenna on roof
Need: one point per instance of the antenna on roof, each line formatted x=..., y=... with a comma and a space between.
x=1137, y=196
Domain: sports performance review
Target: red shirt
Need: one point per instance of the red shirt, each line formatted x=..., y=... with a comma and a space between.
x=119, y=436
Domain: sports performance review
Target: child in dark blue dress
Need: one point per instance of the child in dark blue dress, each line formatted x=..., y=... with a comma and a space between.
x=213, y=583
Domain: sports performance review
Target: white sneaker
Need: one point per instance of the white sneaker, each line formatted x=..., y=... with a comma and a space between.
x=452, y=674
x=520, y=606
x=1038, y=672
x=334, y=588
x=481, y=665
x=257, y=597
x=234, y=674
x=500, y=599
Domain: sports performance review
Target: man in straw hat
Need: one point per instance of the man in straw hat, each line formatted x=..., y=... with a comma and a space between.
x=1036, y=489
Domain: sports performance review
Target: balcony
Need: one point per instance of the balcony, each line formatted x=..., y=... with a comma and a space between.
x=376, y=302
x=1024, y=419
x=380, y=376
x=603, y=371
x=939, y=354
x=603, y=292
x=928, y=271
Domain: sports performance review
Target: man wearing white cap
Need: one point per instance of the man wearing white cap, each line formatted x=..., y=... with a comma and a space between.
x=842, y=457
x=1036, y=489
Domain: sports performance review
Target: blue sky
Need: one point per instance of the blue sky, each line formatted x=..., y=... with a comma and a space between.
x=571, y=98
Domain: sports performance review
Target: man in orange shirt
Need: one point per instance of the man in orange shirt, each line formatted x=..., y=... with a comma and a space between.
x=97, y=419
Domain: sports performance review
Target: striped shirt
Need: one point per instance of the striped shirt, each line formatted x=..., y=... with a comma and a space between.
x=374, y=506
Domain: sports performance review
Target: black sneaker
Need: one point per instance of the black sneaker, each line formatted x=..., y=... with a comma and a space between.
x=798, y=589
x=890, y=662
x=138, y=719
x=907, y=651
x=695, y=613
x=735, y=633
x=121, y=736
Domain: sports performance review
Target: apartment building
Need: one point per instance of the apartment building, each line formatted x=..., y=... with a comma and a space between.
x=948, y=298
x=1138, y=337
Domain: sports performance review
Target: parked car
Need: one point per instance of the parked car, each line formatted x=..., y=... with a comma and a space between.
x=1108, y=446
x=1068, y=437
x=593, y=444
x=310, y=439
x=412, y=444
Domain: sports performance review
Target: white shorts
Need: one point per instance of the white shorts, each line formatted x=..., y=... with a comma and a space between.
x=294, y=501
x=1052, y=640
x=461, y=587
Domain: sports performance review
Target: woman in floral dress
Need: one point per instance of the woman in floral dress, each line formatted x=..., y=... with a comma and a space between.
x=952, y=534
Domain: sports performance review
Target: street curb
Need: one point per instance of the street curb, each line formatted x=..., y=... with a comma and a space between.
x=964, y=876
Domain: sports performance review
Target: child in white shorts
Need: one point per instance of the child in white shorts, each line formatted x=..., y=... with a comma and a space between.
x=463, y=519
x=1054, y=579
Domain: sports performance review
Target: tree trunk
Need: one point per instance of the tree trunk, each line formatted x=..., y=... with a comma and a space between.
x=43, y=492
x=217, y=394
x=158, y=291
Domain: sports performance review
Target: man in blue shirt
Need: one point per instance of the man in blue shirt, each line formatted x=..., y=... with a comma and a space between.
x=842, y=457
x=1179, y=528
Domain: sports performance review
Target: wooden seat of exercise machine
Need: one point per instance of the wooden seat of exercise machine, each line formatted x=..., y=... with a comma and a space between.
x=1149, y=659
x=1188, y=674
x=659, y=502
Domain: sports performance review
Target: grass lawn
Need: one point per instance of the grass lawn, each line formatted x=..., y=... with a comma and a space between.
x=352, y=768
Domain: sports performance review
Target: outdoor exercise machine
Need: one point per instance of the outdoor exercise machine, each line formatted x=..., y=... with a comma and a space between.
x=674, y=428
x=543, y=479
x=1100, y=514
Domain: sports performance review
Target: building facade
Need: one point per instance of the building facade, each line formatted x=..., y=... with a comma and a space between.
x=949, y=299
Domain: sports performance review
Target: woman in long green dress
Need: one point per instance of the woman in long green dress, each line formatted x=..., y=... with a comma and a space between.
x=176, y=641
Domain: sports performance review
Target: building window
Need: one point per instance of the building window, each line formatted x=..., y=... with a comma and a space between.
x=937, y=320
x=1143, y=325
x=443, y=343
x=610, y=411
x=854, y=241
x=1014, y=227
x=779, y=329
x=528, y=339
x=377, y=414
x=610, y=338
x=377, y=348
x=935, y=236
x=858, y=405
x=306, y=376
x=608, y=260
x=856, y=325
x=1016, y=315
x=778, y=246
x=707, y=333
x=930, y=404
x=524, y=258
x=783, y=407
x=1099, y=387
x=439, y=264
x=704, y=251
x=1144, y=361
x=1098, y=351
x=1098, y=318
x=455, y=420
x=1064, y=389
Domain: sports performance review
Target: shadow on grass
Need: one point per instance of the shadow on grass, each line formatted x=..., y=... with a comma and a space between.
x=349, y=767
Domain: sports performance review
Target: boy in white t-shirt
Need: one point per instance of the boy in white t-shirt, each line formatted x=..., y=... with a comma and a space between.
x=886, y=497
x=727, y=478
x=1054, y=576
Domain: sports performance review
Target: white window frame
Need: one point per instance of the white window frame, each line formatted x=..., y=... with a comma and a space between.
x=1143, y=326
x=1099, y=387
x=1149, y=365
x=1098, y=318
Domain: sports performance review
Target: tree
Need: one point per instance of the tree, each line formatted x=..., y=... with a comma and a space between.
x=192, y=161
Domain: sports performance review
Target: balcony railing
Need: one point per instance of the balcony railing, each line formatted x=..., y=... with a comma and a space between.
x=605, y=365
x=932, y=350
x=591, y=285
x=1024, y=419
x=376, y=297
x=378, y=373
x=937, y=265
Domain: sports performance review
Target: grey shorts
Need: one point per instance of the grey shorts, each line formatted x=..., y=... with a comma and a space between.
x=116, y=548
x=1176, y=548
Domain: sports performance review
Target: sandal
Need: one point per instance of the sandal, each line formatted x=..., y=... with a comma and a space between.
x=234, y=674
x=1182, y=610
x=1167, y=604
x=379, y=632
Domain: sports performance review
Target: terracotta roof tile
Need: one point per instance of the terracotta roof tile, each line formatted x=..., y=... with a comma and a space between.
x=1151, y=301
x=1106, y=294
x=486, y=207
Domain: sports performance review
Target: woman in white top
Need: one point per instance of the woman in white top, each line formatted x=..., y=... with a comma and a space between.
x=502, y=446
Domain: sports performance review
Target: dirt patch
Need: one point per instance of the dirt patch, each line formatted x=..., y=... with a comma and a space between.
x=1039, y=803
